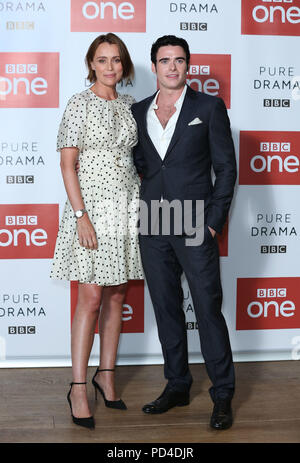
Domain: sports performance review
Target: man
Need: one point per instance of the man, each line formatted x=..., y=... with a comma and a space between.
x=182, y=134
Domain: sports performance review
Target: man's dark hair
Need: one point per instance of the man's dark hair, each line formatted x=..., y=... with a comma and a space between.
x=170, y=40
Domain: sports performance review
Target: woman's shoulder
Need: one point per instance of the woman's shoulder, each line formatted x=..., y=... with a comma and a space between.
x=79, y=99
x=127, y=99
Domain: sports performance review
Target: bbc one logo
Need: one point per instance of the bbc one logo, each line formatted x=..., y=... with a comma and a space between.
x=269, y=158
x=112, y=16
x=271, y=17
x=29, y=80
x=211, y=74
x=267, y=303
x=28, y=231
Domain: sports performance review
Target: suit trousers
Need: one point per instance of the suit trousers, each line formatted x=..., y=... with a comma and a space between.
x=164, y=259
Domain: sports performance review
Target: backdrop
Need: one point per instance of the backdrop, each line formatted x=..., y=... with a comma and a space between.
x=245, y=51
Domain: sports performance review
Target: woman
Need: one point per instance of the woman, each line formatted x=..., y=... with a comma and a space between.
x=95, y=245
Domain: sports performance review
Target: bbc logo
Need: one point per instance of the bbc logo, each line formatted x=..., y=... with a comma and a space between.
x=201, y=70
x=276, y=103
x=12, y=179
x=271, y=292
x=193, y=26
x=21, y=68
x=19, y=25
x=21, y=330
x=273, y=249
x=21, y=220
x=275, y=147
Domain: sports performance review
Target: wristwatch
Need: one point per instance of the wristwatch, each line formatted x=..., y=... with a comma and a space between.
x=79, y=213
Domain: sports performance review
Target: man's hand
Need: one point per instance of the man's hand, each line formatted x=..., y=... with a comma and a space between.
x=212, y=231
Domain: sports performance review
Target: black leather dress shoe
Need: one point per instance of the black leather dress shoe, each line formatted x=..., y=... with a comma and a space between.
x=167, y=400
x=221, y=417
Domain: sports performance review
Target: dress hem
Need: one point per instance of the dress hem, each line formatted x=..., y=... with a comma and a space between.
x=97, y=283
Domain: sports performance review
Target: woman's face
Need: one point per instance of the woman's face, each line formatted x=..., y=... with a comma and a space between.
x=107, y=64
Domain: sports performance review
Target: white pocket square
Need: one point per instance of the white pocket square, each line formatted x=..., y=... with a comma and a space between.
x=195, y=121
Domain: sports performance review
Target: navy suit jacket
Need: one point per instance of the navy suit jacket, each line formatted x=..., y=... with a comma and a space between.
x=185, y=172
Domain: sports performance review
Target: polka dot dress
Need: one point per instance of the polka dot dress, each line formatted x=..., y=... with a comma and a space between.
x=104, y=132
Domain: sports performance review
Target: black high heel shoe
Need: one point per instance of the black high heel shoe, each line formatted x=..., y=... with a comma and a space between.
x=87, y=422
x=118, y=404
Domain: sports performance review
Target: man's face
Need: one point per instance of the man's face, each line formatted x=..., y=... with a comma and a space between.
x=171, y=67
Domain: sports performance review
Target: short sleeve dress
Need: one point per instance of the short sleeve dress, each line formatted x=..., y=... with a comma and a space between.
x=105, y=133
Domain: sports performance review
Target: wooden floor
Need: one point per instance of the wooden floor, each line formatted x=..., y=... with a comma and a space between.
x=34, y=409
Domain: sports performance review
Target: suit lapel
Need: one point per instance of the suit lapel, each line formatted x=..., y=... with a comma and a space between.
x=183, y=119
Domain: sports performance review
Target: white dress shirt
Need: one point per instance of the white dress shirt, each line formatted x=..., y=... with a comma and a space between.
x=160, y=136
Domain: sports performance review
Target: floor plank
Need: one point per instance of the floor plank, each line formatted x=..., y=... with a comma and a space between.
x=266, y=407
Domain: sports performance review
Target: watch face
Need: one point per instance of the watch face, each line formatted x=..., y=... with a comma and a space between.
x=79, y=214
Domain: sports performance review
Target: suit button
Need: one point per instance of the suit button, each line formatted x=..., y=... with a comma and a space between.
x=163, y=166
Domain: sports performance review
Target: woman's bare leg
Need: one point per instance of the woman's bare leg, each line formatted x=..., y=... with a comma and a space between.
x=110, y=322
x=82, y=337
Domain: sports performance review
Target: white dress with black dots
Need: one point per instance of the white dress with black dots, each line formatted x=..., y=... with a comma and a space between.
x=104, y=132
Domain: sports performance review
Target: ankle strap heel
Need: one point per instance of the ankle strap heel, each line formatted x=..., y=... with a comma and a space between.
x=71, y=384
x=118, y=404
x=105, y=369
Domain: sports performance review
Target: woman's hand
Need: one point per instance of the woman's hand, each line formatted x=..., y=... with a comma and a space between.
x=69, y=166
x=77, y=166
x=86, y=233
